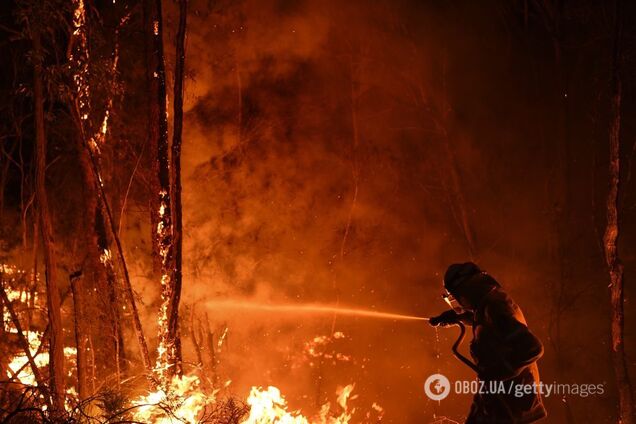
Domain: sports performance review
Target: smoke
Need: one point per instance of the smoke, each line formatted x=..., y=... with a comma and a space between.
x=272, y=164
x=319, y=148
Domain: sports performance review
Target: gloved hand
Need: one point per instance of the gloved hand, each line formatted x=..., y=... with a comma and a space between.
x=445, y=319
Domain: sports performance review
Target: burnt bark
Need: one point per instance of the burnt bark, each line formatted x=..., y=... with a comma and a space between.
x=161, y=203
x=98, y=264
x=113, y=301
x=81, y=336
x=157, y=133
x=173, y=336
x=128, y=290
x=612, y=232
x=166, y=190
x=56, y=343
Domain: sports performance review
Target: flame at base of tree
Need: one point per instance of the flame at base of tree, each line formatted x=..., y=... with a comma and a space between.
x=184, y=399
x=185, y=402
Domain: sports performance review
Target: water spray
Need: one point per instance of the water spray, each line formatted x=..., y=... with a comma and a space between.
x=321, y=309
x=309, y=308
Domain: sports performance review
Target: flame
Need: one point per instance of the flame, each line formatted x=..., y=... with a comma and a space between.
x=166, y=351
x=269, y=406
x=183, y=401
x=105, y=257
x=222, y=338
x=343, y=395
x=18, y=363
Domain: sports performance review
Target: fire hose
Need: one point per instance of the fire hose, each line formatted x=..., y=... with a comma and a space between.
x=458, y=342
x=471, y=364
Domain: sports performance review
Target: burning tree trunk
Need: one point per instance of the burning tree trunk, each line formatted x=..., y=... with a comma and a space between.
x=162, y=233
x=173, y=336
x=157, y=132
x=56, y=346
x=610, y=239
x=166, y=190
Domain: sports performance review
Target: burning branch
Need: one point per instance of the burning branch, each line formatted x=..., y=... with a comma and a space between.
x=24, y=344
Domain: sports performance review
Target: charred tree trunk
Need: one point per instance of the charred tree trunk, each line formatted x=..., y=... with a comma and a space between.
x=105, y=219
x=81, y=336
x=109, y=278
x=5, y=164
x=81, y=293
x=161, y=191
x=99, y=266
x=56, y=344
x=166, y=191
x=157, y=129
x=4, y=351
x=610, y=238
x=106, y=328
x=173, y=336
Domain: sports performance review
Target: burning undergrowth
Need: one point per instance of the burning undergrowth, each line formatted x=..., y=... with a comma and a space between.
x=203, y=395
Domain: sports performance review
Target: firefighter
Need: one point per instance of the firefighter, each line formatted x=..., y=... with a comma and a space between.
x=503, y=348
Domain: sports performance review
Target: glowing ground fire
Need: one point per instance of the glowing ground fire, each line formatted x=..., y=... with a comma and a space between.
x=309, y=308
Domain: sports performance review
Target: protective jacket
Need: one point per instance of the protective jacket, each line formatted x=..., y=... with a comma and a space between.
x=505, y=352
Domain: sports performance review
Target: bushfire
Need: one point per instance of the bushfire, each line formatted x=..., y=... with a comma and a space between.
x=245, y=211
x=184, y=400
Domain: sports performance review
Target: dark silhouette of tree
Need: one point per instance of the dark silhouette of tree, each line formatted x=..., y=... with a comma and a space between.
x=612, y=232
x=56, y=339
